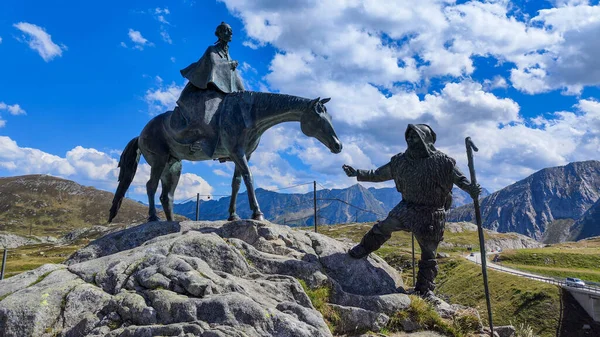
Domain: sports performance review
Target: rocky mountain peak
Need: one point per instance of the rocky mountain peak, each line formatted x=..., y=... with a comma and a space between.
x=532, y=206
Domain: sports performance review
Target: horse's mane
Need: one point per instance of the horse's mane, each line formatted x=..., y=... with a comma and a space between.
x=274, y=98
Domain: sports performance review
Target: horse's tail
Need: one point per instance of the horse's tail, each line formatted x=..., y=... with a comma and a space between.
x=128, y=164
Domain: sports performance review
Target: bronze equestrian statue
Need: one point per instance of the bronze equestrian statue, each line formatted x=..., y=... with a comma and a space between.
x=216, y=119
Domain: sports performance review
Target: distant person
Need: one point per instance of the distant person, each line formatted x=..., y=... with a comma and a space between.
x=425, y=177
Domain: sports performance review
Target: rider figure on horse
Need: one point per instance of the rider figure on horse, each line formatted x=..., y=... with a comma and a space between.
x=214, y=71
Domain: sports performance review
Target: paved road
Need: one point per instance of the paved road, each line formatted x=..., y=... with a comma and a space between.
x=477, y=259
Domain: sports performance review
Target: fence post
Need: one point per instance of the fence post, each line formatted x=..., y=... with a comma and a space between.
x=197, y=205
x=3, y=263
x=315, y=202
x=413, y=259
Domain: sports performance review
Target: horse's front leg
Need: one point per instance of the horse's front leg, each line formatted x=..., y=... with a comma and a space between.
x=236, y=182
x=241, y=164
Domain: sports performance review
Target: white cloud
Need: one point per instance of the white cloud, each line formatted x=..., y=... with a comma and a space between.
x=222, y=173
x=572, y=62
x=0, y=39
x=495, y=83
x=173, y=59
x=166, y=37
x=139, y=41
x=123, y=44
x=40, y=41
x=163, y=98
x=160, y=16
x=14, y=110
x=28, y=160
x=88, y=166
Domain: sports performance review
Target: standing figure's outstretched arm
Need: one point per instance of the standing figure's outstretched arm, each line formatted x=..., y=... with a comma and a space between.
x=381, y=174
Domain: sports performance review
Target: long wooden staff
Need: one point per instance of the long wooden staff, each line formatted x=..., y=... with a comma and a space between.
x=470, y=148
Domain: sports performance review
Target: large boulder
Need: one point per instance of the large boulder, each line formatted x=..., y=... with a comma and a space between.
x=241, y=278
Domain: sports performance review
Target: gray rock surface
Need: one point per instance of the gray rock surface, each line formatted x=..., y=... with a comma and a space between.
x=355, y=320
x=9, y=240
x=588, y=225
x=200, y=279
x=495, y=241
x=531, y=205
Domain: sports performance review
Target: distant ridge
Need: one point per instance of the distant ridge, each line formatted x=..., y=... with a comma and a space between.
x=55, y=206
x=588, y=225
x=547, y=202
x=352, y=204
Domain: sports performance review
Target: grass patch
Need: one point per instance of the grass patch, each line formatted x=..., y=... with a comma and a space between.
x=560, y=273
x=427, y=318
x=570, y=259
x=40, y=278
x=4, y=296
x=26, y=258
x=320, y=298
x=514, y=299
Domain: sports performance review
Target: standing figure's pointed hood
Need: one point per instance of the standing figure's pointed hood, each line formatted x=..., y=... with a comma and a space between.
x=425, y=148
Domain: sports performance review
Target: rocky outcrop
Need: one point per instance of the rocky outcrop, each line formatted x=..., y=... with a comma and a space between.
x=242, y=278
x=494, y=241
x=8, y=240
x=529, y=206
x=588, y=225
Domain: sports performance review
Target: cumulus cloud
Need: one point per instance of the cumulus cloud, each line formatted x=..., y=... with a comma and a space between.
x=572, y=62
x=160, y=15
x=14, y=109
x=90, y=166
x=138, y=40
x=163, y=98
x=376, y=60
x=39, y=40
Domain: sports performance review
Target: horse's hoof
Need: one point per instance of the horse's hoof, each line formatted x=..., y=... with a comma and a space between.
x=233, y=217
x=153, y=218
x=258, y=217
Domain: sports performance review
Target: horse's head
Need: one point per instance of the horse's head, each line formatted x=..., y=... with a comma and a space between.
x=316, y=122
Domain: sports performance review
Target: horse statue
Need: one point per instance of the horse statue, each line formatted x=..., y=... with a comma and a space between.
x=224, y=127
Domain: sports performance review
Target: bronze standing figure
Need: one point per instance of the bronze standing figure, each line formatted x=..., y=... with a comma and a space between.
x=425, y=177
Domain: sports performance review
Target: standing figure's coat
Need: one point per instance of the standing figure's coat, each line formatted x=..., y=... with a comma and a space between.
x=214, y=68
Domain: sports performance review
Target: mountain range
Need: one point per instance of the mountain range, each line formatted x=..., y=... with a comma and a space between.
x=549, y=205
x=353, y=204
x=552, y=205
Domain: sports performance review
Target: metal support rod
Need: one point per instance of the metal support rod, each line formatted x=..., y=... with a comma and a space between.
x=197, y=205
x=315, y=202
x=3, y=263
x=470, y=148
x=413, y=259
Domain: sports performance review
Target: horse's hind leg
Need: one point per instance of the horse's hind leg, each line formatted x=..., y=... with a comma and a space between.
x=169, y=179
x=236, y=182
x=157, y=166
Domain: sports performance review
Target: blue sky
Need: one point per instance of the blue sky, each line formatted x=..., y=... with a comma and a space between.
x=80, y=79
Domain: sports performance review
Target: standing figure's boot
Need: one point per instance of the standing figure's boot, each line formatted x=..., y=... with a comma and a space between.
x=428, y=270
x=369, y=243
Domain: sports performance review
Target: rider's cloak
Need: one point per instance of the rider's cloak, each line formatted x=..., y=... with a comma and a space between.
x=214, y=67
